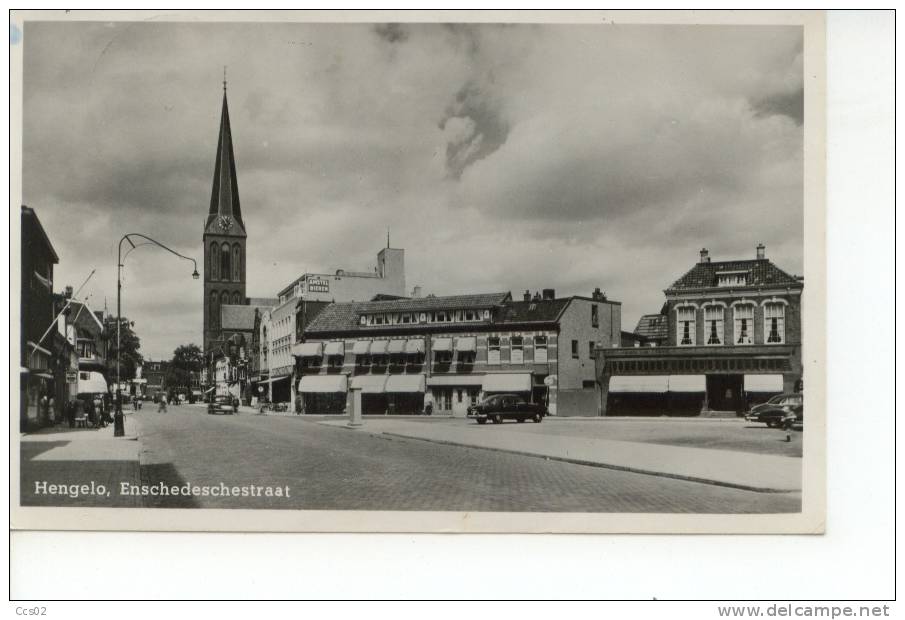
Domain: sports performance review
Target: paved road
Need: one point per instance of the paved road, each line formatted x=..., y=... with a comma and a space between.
x=334, y=468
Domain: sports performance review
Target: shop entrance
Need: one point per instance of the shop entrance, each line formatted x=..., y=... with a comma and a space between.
x=725, y=392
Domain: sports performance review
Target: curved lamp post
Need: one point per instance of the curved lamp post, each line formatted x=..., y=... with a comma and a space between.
x=118, y=425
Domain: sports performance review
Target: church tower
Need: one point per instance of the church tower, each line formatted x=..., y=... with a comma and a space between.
x=224, y=237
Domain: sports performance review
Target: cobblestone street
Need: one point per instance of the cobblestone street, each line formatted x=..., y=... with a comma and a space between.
x=335, y=468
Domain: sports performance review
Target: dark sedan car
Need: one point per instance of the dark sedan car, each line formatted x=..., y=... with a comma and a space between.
x=774, y=410
x=501, y=407
x=222, y=404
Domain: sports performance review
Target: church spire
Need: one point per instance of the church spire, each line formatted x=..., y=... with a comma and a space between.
x=225, y=192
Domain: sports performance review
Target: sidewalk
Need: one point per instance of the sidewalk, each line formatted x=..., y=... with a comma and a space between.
x=65, y=456
x=742, y=470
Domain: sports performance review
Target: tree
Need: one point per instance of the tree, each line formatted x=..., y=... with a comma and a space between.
x=130, y=358
x=187, y=360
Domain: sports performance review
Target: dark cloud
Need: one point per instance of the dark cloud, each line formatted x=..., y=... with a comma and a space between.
x=477, y=128
x=392, y=33
x=789, y=104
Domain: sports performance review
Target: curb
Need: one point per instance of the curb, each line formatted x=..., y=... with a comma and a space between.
x=634, y=470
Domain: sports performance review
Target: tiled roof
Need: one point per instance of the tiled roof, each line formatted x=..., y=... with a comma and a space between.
x=652, y=326
x=264, y=302
x=759, y=273
x=344, y=316
x=237, y=317
x=539, y=311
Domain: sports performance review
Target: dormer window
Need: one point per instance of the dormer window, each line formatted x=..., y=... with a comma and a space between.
x=732, y=278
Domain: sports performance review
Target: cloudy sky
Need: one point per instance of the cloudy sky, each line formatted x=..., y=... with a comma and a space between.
x=500, y=157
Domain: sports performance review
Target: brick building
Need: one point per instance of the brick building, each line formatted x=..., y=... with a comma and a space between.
x=732, y=335
x=450, y=351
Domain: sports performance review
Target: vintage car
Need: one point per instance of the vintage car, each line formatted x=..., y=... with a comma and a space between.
x=221, y=404
x=774, y=410
x=499, y=407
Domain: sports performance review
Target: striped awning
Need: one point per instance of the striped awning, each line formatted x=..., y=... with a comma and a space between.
x=308, y=349
x=414, y=345
x=370, y=384
x=405, y=383
x=441, y=345
x=379, y=347
x=322, y=384
x=507, y=382
x=763, y=383
x=361, y=347
x=335, y=348
x=466, y=344
x=396, y=346
x=456, y=380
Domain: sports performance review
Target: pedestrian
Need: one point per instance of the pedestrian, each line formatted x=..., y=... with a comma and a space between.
x=44, y=409
x=162, y=404
x=70, y=413
x=52, y=410
x=235, y=405
x=787, y=421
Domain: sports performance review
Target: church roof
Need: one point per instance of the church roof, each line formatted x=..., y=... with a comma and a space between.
x=225, y=191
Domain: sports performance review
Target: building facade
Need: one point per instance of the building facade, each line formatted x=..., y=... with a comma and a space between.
x=445, y=353
x=732, y=336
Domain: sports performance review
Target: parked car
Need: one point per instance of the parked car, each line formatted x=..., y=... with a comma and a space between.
x=774, y=410
x=221, y=404
x=501, y=407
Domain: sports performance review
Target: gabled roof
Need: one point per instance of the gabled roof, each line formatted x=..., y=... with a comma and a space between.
x=344, y=316
x=28, y=214
x=225, y=191
x=652, y=327
x=760, y=272
x=535, y=311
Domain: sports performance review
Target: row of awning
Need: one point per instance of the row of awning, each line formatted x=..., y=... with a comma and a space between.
x=405, y=346
x=380, y=384
x=659, y=384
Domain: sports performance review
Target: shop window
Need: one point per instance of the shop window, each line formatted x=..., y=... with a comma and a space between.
x=744, y=323
x=459, y=396
x=774, y=323
x=713, y=324
x=540, y=349
x=493, y=350
x=517, y=354
x=685, y=325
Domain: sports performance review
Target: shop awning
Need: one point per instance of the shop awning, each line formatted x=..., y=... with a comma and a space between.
x=308, y=349
x=361, y=347
x=466, y=344
x=335, y=348
x=687, y=383
x=507, y=382
x=763, y=383
x=396, y=346
x=93, y=384
x=414, y=345
x=456, y=380
x=379, y=347
x=322, y=384
x=370, y=384
x=43, y=375
x=405, y=383
x=441, y=345
x=649, y=384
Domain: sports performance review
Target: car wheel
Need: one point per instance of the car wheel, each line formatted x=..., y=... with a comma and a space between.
x=520, y=420
x=538, y=418
x=770, y=424
x=497, y=419
x=482, y=421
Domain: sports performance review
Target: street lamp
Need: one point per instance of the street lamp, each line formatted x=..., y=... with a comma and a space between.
x=118, y=423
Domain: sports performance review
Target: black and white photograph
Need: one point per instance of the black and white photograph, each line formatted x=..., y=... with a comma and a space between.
x=420, y=275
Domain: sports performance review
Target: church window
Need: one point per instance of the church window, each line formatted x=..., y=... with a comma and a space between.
x=236, y=298
x=237, y=263
x=214, y=314
x=224, y=263
x=214, y=262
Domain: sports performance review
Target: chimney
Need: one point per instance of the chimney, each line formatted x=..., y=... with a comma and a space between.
x=760, y=251
x=416, y=292
x=705, y=255
x=549, y=294
x=597, y=295
x=68, y=293
x=527, y=296
x=536, y=296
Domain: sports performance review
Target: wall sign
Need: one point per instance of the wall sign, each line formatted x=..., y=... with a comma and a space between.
x=318, y=285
